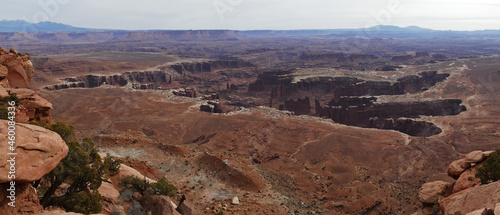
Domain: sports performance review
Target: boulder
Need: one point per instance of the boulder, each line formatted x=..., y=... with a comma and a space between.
x=158, y=204
x=129, y=171
x=472, y=199
x=186, y=208
x=109, y=192
x=235, y=201
x=38, y=152
x=497, y=209
x=3, y=92
x=431, y=192
x=466, y=180
x=457, y=167
x=474, y=157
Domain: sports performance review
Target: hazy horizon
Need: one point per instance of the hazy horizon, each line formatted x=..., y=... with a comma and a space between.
x=259, y=14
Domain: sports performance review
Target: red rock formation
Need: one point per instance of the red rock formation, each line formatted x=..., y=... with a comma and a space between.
x=472, y=199
x=16, y=71
x=38, y=152
x=465, y=195
x=457, y=167
x=432, y=192
x=33, y=108
x=19, y=67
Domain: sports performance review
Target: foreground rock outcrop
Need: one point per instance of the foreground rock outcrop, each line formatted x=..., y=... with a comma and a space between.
x=38, y=152
x=37, y=149
x=16, y=71
x=472, y=199
x=465, y=195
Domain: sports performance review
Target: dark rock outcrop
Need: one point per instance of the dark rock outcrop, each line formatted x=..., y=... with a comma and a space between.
x=301, y=106
x=138, y=80
x=211, y=107
x=210, y=66
x=188, y=92
x=352, y=104
x=281, y=85
x=364, y=112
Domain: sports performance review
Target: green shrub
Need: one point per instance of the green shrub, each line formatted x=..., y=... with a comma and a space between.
x=82, y=169
x=112, y=165
x=490, y=171
x=4, y=113
x=84, y=202
x=12, y=97
x=64, y=130
x=164, y=187
x=39, y=123
x=134, y=183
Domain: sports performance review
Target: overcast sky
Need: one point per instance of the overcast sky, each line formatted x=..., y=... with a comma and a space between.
x=258, y=14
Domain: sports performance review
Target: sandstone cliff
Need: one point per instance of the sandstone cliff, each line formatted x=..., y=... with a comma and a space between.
x=16, y=71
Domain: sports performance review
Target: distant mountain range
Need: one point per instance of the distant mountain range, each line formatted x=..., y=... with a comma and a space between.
x=40, y=31
x=24, y=26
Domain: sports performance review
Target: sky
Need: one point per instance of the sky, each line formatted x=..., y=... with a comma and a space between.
x=258, y=14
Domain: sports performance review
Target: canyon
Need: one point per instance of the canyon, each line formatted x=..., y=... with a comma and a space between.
x=288, y=124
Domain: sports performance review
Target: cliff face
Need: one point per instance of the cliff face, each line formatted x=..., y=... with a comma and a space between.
x=210, y=66
x=282, y=85
x=138, y=80
x=16, y=71
x=352, y=103
x=156, y=78
x=364, y=112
